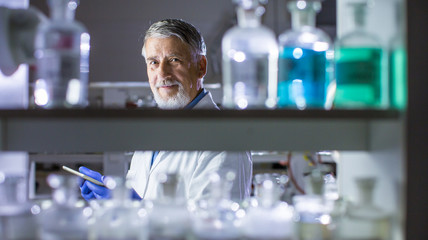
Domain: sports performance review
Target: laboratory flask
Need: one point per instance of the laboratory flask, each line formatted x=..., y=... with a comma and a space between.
x=62, y=59
x=305, y=60
x=249, y=60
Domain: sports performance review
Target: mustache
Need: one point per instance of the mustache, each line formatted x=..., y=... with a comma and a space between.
x=167, y=82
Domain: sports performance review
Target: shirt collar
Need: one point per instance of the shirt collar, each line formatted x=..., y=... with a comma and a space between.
x=197, y=99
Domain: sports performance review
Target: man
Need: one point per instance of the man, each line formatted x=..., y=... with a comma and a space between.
x=176, y=65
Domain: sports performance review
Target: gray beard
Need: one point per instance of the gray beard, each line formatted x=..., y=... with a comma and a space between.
x=180, y=100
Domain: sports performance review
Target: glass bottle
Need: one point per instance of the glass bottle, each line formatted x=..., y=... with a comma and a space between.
x=398, y=62
x=65, y=219
x=250, y=58
x=312, y=218
x=17, y=214
x=359, y=67
x=62, y=59
x=268, y=217
x=119, y=218
x=305, y=60
x=169, y=217
x=364, y=220
x=216, y=217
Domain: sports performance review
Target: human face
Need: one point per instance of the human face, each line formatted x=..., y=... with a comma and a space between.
x=175, y=75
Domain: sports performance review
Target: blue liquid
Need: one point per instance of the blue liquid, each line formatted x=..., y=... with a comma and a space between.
x=302, y=78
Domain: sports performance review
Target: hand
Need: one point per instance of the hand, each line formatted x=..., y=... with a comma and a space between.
x=91, y=190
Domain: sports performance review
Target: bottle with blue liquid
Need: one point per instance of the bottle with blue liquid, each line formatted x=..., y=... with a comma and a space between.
x=250, y=60
x=305, y=60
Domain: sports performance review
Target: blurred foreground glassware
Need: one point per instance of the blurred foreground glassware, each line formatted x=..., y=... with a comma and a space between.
x=62, y=53
x=119, y=218
x=64, y=219
x=217, y=216
x=250, y=58
x=17, y=214
x=363, y=220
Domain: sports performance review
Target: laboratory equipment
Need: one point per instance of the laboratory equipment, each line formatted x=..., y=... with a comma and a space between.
x=65, y=218
x=305, y=60
x=217, y=216
x=86, y=177
x=17, y=214
x=398, y=62
x=363, y=219
x=169, y=217
x=250, y=58
x=119, y=218
x=62, y=59
x=312, y=218
x=268, y=217
x=360, y=70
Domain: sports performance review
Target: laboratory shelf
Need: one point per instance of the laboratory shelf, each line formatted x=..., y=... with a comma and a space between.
x=102, y=130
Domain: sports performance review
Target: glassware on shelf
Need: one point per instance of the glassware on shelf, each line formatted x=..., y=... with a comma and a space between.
x=65, y=218
x=305, y=60
x=398, y=61
x=217, y=216
x=119, y=218
x=62, y=59
x=312, y=218
x=268, y=217
x=250, y=58
x=364, y=220
x=17, y=214
x=360, y=70
x=169, y=217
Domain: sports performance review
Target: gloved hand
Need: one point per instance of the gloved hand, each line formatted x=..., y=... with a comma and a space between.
x=91, y=190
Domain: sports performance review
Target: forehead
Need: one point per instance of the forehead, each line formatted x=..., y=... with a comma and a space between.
x=157, y=47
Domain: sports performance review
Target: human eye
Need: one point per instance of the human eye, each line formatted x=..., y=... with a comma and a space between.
x=175, y=59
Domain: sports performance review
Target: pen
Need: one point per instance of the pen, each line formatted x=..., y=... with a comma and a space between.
x=83, y=176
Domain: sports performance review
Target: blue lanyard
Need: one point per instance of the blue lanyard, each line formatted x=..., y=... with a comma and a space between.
x=188, y=106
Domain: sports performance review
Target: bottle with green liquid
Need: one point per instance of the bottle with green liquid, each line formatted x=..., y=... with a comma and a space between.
x=305, y=60
x=359, y=59
x=398, y=62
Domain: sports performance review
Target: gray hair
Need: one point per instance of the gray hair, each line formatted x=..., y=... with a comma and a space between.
x=185, y=31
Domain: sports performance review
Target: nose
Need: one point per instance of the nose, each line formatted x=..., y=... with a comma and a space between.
x=164, y=69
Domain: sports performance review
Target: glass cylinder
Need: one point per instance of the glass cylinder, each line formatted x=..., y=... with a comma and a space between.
x=64, y=219
x=363, y=220
x=305, y=60
x=360, y=73
x=62, y=54
x=250, y=58
x=216, y=217
x=398, y=61
x=268, y=217
x=119, y=218
x=169, y=217
x=17, y=214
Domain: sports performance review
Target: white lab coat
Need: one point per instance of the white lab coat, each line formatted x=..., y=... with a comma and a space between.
x=193, y=167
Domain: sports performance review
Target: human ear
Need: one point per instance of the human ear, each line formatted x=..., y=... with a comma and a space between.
x=202, y=66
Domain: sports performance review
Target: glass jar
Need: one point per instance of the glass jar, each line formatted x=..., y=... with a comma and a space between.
x=305, y=60
x=250, y=58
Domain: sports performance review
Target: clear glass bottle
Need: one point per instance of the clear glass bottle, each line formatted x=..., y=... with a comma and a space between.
x=62, y=53
x=250, y=58
x=64, y=220
x=398, y=62
x=17, y=214
x=169, y=217
x=119, y=218
x=360, y=73
x=312, y=218
x=363, y=220
x=268, y=217
x=305, y=60
x=216, y=217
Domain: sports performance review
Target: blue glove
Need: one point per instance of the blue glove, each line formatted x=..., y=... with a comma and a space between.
x=91, y=190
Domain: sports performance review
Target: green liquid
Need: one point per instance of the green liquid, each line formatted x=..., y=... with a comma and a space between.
x=398, y=73
x=358, y=78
